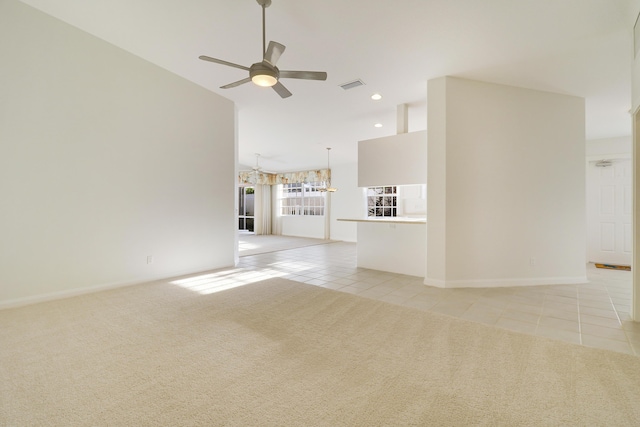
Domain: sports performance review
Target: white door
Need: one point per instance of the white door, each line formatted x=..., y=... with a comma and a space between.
x=609, y=206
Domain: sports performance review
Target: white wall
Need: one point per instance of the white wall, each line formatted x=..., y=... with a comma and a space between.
x=393, y=160
x=634, y=10
x=303, y=226
x=347, y=202
x=635, y=82
x=105, y=159
x=609, y=147
x=398, y=248
x=436, y=238
x=506, y=185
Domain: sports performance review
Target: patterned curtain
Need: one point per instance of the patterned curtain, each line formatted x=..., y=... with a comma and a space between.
x=262, y=223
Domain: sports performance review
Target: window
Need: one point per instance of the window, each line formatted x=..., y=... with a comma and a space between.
x=381, y=201
x=302, y=199
x=245, y=208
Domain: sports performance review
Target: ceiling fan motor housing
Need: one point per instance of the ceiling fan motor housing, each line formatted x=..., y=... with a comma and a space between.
x=259, y=70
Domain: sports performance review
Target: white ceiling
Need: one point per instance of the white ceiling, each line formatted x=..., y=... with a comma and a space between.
x=575, y=47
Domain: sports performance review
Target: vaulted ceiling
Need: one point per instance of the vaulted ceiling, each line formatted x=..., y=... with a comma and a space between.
x=576, y=47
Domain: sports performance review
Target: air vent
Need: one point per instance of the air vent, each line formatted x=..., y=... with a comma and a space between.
x=351, y=85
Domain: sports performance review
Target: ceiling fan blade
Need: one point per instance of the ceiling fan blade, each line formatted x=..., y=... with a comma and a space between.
x=281, y=90
x=307, y=75
x=220, y=61
x=238, y=83
x=273, y=52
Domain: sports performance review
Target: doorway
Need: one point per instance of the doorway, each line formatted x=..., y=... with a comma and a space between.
x=246, y=209
x=609, y=211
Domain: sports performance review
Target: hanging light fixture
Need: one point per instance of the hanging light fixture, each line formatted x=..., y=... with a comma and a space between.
x=263, y=75
x=253, y=179
x=328, y=187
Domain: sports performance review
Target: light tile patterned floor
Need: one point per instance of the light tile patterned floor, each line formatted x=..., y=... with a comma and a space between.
x=595, y=314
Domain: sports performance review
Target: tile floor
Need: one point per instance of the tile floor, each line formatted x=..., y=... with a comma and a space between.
x=595, y=314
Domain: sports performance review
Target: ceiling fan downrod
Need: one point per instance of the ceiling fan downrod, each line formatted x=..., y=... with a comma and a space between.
x=265, y=4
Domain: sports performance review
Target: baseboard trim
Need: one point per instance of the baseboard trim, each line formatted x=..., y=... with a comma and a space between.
x=69, y=293
x=502, y=283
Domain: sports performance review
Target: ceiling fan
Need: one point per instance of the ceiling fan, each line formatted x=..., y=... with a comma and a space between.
x=265, y=73
x=255, y=171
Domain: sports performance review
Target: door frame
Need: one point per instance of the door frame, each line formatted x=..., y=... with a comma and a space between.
x=590, y=160
x=635, y=150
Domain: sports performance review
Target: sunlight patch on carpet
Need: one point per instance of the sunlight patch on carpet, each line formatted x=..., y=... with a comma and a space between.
x=211, y=283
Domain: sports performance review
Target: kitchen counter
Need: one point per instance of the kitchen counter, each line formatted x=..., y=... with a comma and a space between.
x=394, y=244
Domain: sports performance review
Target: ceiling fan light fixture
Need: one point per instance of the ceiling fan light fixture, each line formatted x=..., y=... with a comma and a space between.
x=263, y=76
x=264, y=80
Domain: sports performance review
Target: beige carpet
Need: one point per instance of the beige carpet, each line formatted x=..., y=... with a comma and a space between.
x=282, y=353
x=251, y=244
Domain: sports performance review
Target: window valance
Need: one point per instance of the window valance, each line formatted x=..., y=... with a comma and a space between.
x=317, y=175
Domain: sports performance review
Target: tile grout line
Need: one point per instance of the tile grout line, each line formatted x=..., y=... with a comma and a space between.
x=579, y=317
x=615, y=310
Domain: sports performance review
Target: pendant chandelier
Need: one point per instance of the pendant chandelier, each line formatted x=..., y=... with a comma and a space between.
x=328, y=188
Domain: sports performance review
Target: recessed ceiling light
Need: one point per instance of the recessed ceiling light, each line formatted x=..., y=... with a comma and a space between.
x=378, y=125
x=376, y=97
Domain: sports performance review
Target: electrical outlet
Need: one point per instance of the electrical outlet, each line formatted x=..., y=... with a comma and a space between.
x=532, y=262
x=150, y=259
